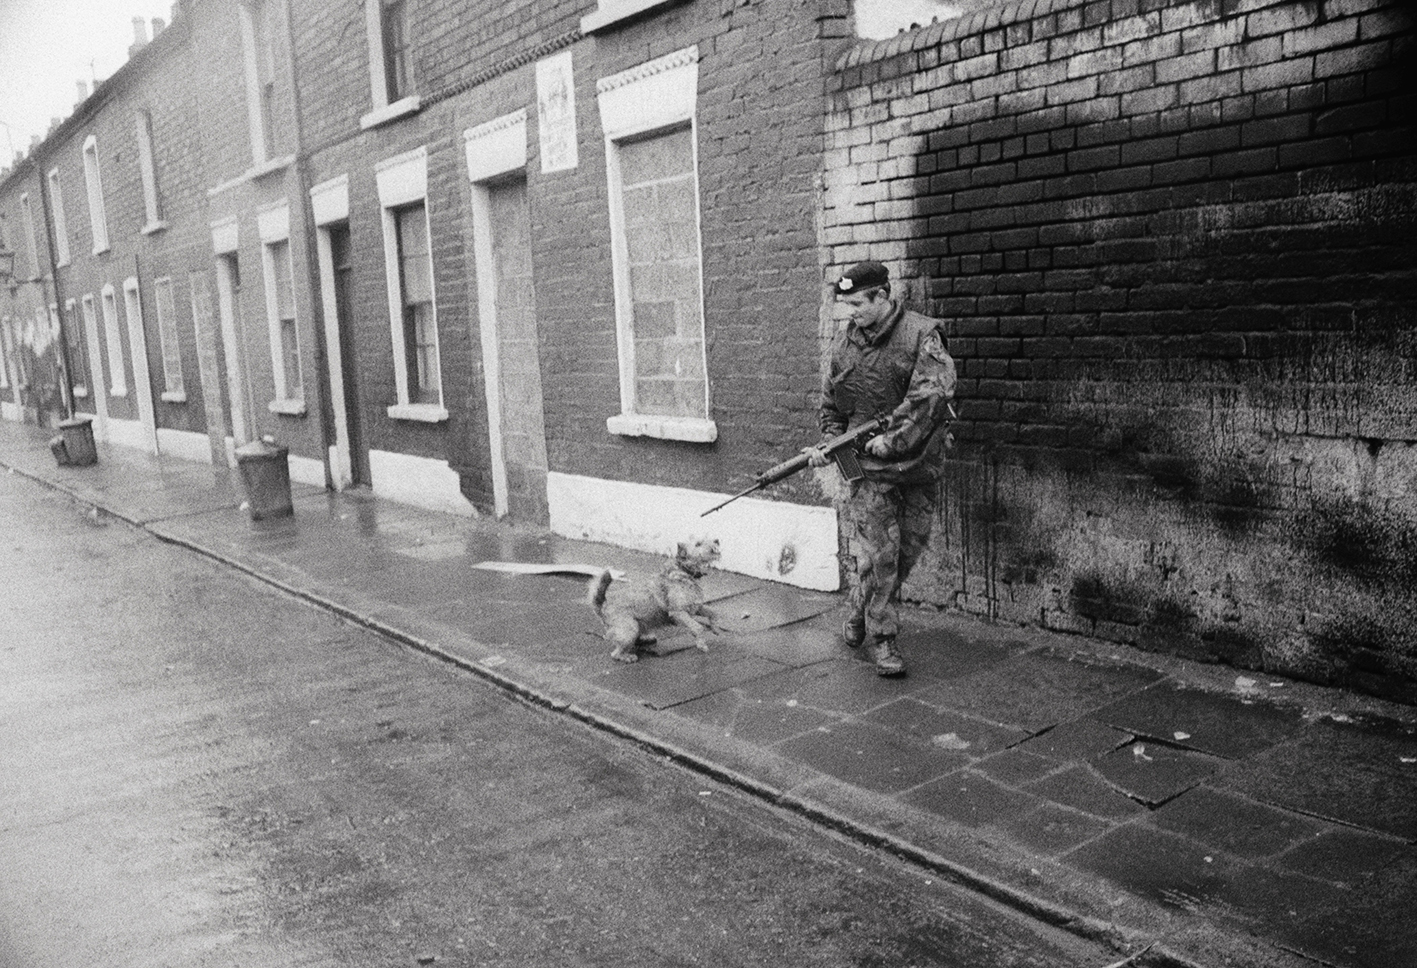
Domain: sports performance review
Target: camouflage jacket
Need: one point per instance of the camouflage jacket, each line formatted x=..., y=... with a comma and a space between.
x=900, y=370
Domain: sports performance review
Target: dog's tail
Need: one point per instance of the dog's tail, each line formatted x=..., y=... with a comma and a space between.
x=595, y=592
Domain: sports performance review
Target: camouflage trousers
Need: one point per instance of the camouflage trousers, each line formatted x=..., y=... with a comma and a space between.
x=887, y=527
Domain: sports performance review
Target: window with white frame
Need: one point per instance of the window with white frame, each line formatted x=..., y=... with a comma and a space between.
x=98, y=219
x=113, y=339
x=420, y=335
x=61, y=224
x=78, y=348
x=148, y=170
x=391, y=78
x=651, y=165
x=31, y=239
x=261, y=86
x=174, y=391
x=91, y=326
x=279, y=273
x=408, y=261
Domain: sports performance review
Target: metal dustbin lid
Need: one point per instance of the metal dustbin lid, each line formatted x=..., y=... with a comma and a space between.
x=258, y=450
x=78, y=420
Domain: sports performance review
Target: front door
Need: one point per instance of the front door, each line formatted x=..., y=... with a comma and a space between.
x=357, y=454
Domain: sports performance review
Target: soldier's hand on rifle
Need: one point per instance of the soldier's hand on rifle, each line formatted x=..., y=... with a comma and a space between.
x=816, y=457
x=877, y=447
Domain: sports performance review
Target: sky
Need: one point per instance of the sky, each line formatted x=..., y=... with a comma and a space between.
x=48, y=45
x=877, y=19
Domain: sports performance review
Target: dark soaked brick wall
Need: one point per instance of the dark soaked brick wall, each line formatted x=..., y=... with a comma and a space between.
x=1175, y=245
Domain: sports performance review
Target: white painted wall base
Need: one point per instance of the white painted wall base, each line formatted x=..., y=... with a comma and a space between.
x=128, y=433
x=306, y=470
x=791, y=543
x=185, y=444
x=10, y=411
x=420, y=481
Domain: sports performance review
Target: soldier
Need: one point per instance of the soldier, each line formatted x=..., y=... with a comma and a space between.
x=888, y=362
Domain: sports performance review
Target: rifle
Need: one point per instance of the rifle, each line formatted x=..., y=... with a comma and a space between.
x=841, y=449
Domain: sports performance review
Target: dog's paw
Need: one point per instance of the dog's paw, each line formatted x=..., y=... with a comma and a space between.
x=701, y=644
x=625, y=657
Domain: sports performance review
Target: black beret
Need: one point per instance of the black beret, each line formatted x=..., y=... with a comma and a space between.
x=863, y=275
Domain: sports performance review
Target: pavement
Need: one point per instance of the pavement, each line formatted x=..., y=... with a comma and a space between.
x=1186, y=814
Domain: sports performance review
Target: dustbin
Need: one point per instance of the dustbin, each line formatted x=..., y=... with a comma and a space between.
x=74, y=446
x=265, y=470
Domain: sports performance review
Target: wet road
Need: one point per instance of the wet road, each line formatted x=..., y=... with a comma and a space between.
x=196, y=770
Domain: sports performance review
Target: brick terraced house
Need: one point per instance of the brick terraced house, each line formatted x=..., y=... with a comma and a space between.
x=567, y=262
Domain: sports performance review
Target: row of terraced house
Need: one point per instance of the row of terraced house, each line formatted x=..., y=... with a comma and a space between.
x=568, y=262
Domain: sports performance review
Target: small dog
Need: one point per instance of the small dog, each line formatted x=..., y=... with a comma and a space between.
x=673, y=597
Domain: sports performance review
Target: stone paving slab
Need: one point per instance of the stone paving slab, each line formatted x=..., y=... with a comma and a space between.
x=1154, y=774
x=1359, y=774
x=1235, y=824
x=869, y=756
x=1224, y=725
x=1037, y=690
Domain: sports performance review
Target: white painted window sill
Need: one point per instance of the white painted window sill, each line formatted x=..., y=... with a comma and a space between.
x=154, y=227
x=174, y=396
x=422, y=412
x=118, y=392
x=81, y=391
x=693, y=429
x=288, y=408
x=269, y=167
x=612, y=12
x=401, y=108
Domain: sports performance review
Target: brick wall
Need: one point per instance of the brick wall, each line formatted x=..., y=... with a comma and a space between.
x=758, y=196
x=759, y=150
x=1175, y=246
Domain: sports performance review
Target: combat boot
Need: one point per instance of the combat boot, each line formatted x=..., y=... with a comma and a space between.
x=887, y=659
x=853, y=631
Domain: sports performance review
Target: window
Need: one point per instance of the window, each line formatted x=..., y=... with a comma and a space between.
x=416, y=290
x=173, y=389
x=390, y=61
x=91, y=326
x=413, y=315
x=274, y=223
x=117, y=381
x=648, y=118
x=61, y=224
x=394, y=29
x=78, y=347
x=27, y=213
x=97, y=218
x=149, y=173
x=261, y=93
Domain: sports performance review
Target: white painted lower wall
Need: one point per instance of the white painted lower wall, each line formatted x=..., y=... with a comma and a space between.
x=790, y=543
x=128, y=433
x=421, y=481
x=306, y=470
x=185, y=444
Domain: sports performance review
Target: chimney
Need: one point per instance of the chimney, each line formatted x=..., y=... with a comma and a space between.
x=158, y=24
x=140, y=35
x=83, y=88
